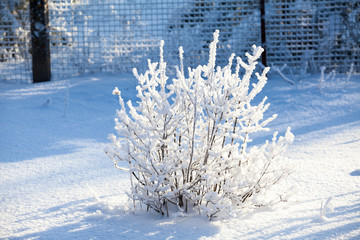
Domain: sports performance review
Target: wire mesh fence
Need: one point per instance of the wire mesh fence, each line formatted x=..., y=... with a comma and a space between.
x=108, y=35
x=307, y=35
x=96, y=36
x=15, y=56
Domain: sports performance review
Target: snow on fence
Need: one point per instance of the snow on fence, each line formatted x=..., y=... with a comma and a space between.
x=109, y=35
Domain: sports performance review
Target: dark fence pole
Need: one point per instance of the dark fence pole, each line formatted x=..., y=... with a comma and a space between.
x=263, y=32
x=40, y=46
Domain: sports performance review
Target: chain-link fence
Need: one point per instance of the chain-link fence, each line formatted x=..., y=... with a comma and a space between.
x=109, y=35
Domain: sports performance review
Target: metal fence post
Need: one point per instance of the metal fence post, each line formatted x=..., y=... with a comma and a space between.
x=263, y=32
x=40, y=49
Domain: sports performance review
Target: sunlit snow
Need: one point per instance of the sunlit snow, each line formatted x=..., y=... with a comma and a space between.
x=57, y=183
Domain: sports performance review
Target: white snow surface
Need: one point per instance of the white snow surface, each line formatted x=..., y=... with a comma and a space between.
x=57, y=183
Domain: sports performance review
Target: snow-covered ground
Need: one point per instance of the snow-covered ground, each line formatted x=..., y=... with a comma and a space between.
x=57, y=183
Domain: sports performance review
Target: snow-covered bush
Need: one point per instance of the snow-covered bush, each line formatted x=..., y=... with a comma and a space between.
x=186, y=142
